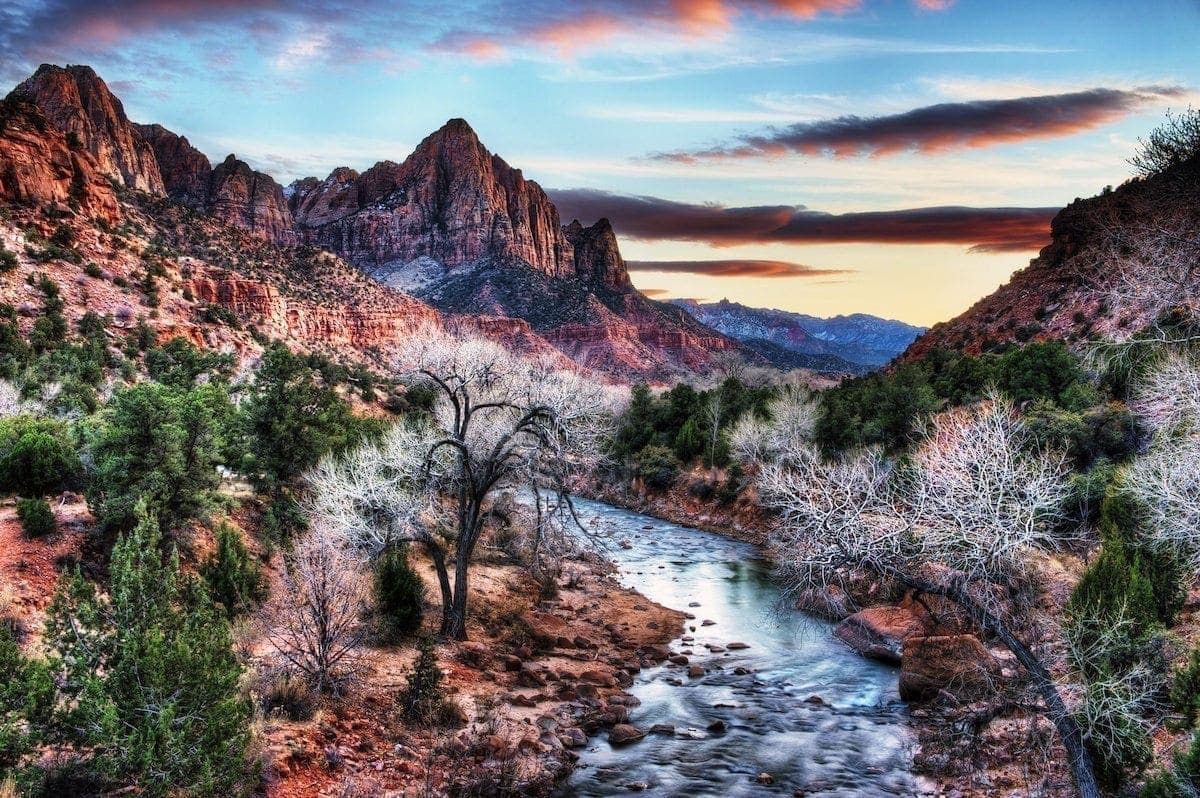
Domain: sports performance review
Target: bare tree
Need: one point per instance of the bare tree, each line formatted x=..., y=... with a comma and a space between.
x=966, y=519
x=502, y=422
x=315, y=618
x=1164, y=479
x=714, y=413
x=1171, y=144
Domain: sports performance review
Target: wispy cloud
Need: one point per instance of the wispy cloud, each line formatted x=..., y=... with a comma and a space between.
x=734, y=268
x=654, y=218
x=942, y=127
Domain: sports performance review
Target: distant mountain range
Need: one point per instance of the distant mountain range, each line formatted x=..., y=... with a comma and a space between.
x=856, y=343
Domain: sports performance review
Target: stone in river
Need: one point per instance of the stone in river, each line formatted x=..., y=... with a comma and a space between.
x=624, y=733
x=737, y=646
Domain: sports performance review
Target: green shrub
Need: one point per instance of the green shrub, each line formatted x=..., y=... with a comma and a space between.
x=26, y=701
x=399, y=594
x=8, y=260
x=283, y=519
x=157, y=452
x=234, y=579
x=37, y=455
x=657, y=466
x=1185, y=687
x=1181, y=780
x=1118, y=742
x=37, y=519
x=422, y=700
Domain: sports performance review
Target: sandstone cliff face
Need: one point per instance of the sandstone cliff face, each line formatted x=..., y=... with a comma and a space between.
x=78, y=103
x=250, y=200
x=184, y=169
x=37, y=167
x=451, y=200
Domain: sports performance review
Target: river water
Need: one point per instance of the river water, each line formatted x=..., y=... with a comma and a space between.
x=852, y=742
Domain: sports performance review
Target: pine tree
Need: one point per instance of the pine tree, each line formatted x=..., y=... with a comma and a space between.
x=149, y=679
x=421, y=700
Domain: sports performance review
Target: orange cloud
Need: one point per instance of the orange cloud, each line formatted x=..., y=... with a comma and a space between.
x=562, y=29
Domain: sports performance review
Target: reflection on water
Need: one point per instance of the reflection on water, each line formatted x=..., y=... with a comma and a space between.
x=852, y=741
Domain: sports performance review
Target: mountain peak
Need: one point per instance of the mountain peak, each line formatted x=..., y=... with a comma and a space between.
x=76, y=101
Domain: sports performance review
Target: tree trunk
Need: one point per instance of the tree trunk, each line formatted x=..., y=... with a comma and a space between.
x=438, y=555
x=457, y=626
x=1080, y=761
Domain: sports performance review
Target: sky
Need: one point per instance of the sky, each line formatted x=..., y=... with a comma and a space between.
x=894, y=157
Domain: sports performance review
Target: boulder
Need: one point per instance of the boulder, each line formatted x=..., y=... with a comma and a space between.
x=624, y=733
x=879, y=632
x=957, y=664
x=545, y=629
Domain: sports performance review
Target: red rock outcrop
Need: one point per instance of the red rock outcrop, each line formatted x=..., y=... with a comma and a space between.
x=185, y=170
x=1062, y=293
x=597, y=257
x=78, y=103
x=38, y=167
x=380, y=325
x=250, y=200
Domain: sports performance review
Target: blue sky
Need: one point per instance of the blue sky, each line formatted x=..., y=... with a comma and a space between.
x=693, y=104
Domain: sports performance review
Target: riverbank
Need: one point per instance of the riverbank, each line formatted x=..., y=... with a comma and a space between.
x=741, y=519
x=538, y=680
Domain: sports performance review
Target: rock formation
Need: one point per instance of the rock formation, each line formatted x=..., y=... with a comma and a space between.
x=253, y=201
x=185, y=170
x=39, y=167
x=451, y=200
x=453, y=225
x=78, y=103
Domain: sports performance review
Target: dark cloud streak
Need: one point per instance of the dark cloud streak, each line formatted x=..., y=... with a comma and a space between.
x=653, y=219
x=939, y=128
x=734, y=268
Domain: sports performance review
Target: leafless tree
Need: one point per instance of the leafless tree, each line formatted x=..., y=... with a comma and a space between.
x=714, y=413
x=315, y=617
x=1164, y=479
x=1171, y=144
x=502, y=422
x=966, y=518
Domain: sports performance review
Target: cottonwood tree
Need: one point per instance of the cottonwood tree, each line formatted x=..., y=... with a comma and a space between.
x=501, y=422
x=968, y=517
x=314, y=620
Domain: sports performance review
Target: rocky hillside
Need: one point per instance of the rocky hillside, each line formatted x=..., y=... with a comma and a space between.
x=854, y=343
x=452, y=225
x=1065, y=292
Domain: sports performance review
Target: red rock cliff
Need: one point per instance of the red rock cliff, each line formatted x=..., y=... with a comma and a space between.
x=78, y=103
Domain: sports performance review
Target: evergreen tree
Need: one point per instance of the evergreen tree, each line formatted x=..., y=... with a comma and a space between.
x=158, y=453
x=399, y=593
x=292, y=419
x=421, y=700
x=26, y=699
x=149, y=682
x=233, y=578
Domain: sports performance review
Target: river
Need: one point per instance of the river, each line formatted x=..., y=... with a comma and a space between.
x=852, y=741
